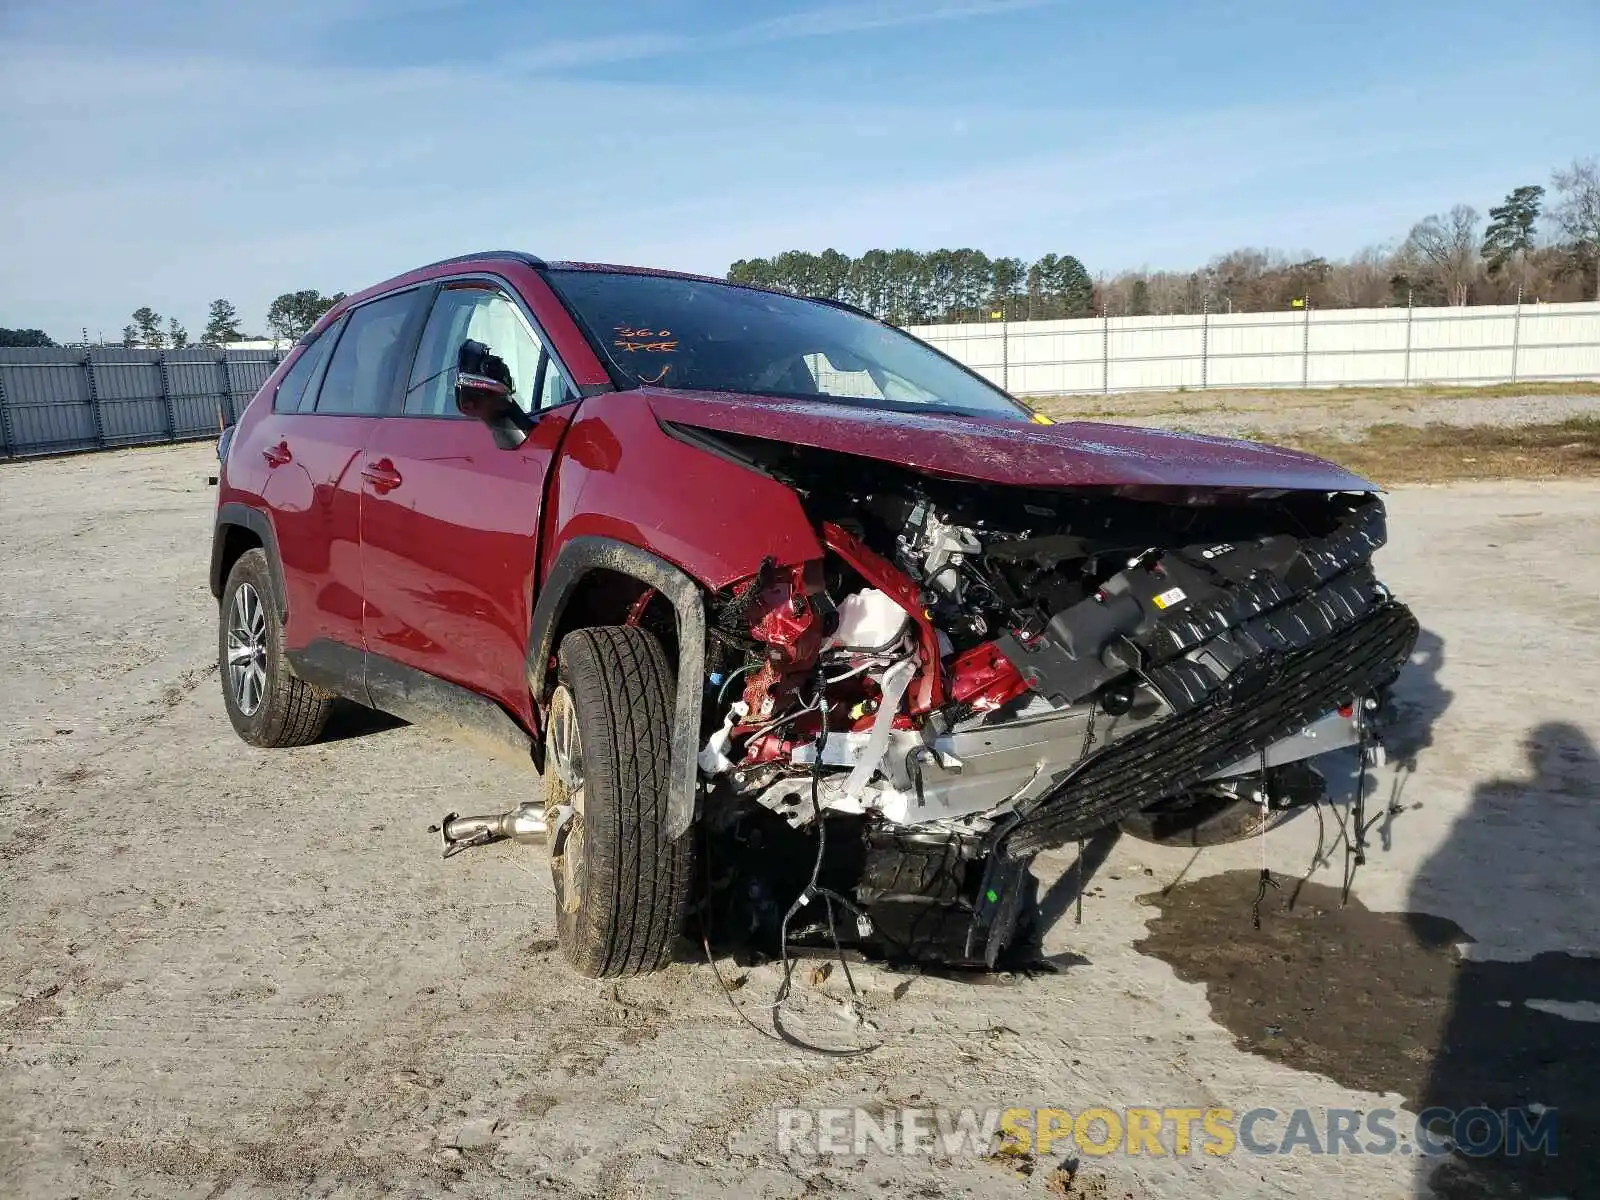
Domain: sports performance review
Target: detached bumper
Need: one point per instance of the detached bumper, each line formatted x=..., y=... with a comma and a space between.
x=1290, y=673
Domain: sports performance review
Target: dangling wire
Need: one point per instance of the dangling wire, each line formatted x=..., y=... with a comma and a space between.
x=815, y=890
x=1266, y=880
x=1088, y=734
x=1077, y=884
x=1077, y=866
x=1355, y=853
x=1319, y=856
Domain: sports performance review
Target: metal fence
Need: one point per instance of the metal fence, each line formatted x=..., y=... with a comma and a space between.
x=54, y=401
x=1301, y=348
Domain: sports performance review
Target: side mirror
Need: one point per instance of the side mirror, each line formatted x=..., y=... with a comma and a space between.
x=484, y=391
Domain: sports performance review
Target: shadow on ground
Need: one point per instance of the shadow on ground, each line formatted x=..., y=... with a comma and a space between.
x=1388, y=1002
x=348, y=719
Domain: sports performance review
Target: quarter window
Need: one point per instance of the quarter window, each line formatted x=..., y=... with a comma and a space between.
x=556, y=389
x=293, y=387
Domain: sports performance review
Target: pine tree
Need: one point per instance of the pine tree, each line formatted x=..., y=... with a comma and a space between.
x=1509, y=236
x=222, y=325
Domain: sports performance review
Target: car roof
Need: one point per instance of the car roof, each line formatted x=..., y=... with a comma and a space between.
x=523, y=258
x=533, y=260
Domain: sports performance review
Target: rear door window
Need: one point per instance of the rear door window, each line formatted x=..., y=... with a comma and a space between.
x=360, y=375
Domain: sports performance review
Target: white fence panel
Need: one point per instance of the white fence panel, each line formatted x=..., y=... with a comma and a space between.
x=1302, y=348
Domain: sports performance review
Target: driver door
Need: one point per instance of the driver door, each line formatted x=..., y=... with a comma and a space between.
x=449, y=521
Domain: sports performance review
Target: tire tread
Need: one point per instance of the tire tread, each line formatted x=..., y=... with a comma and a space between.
x=637, y=879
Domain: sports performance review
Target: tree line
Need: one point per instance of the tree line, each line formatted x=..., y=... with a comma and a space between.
x=1543, y=245
x=288, y=318
x=911, y=287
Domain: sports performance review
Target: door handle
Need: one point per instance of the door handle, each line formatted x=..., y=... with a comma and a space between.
x=382, y=476
x=278, y=456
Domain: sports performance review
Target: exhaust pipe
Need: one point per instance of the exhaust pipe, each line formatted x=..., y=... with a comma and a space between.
x=523, y=824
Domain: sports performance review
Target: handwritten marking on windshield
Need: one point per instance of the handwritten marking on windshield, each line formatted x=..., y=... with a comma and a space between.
x=664, y=369
x=648, y=341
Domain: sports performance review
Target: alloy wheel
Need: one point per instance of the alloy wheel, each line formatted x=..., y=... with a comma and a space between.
x=247, y=649
x=564, y=801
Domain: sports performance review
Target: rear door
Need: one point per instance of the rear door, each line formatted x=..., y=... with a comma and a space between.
x=315, y=487
x=449, y=521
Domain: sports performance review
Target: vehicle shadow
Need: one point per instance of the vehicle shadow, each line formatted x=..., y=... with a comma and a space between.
x=347, y=719
x=1064, y=894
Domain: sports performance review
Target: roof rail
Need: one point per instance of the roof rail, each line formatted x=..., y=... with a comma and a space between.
x=521, y=256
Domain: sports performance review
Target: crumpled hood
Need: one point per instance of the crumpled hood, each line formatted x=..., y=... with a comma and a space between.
x=1068, y=454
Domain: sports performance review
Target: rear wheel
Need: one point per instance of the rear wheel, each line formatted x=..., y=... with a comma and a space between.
x=267, y=703
x=620, y=883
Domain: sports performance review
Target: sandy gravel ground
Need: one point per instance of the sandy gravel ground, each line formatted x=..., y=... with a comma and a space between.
x=1273, y=414
x=228, y=972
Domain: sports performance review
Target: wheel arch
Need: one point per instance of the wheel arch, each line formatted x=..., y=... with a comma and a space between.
x=240, y=528
x=598, y=581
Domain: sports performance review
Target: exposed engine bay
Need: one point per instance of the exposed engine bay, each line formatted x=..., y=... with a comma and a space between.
x=974, y=673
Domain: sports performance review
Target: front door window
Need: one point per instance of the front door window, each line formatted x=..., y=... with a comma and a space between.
x=473, y=314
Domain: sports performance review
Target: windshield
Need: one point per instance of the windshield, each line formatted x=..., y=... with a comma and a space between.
x=668, y=332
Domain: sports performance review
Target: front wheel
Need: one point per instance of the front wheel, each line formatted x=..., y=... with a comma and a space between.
x=621, y=884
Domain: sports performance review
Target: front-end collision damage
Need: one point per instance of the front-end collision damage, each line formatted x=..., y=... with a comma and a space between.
x=972, y=673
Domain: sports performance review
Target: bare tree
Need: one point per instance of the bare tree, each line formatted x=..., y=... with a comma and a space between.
x=1578, y=213
x=1363, y=281
x=1446, y=249
x=1169, y=293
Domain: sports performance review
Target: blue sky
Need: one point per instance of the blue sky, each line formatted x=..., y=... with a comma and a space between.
x=168, y=153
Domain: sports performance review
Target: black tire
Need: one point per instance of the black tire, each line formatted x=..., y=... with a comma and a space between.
x=621, y=884
x=1206, y=820
x=287, y=711
x=1216, y=817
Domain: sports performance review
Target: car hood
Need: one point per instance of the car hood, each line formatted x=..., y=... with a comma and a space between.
x=1067, y=454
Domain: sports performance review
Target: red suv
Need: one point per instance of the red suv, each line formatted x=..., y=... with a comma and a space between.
x=807, y=626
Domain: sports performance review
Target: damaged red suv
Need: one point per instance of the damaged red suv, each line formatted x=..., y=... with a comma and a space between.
x=784, y=604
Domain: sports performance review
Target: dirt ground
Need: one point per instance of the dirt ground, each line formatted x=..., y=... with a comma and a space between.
x=229, y=972
x=1332, y=413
